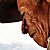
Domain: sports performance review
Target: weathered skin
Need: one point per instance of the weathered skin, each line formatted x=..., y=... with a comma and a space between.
x=36, y=19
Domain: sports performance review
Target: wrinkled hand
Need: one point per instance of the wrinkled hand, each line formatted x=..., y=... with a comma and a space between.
x=36, y=20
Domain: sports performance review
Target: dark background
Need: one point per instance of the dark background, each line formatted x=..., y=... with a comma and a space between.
x=9, y=11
